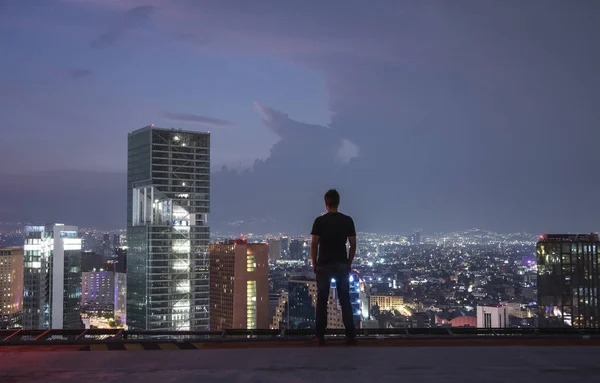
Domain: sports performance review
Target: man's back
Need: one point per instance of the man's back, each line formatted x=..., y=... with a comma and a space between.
x=333, y=230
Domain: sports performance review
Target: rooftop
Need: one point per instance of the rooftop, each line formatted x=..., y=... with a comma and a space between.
x=283, y=362
x=590, y=237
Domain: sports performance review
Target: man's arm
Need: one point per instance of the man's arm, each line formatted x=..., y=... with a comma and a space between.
x=352, y=240
x=314, y=248
x=352, y=251
x=314, y=243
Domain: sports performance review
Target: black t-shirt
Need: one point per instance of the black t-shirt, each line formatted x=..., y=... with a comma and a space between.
x=333, y=230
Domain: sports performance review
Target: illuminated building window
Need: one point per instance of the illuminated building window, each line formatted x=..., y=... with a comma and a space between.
x=250, y=263
x=251, y=304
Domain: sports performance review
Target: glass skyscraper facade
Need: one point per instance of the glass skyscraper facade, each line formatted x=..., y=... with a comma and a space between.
x=168, y=200
x=299, y=310
x=301, y=304
x=52, y=277
x=568, y=279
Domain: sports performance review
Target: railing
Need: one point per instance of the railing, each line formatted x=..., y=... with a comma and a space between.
x=89, y=336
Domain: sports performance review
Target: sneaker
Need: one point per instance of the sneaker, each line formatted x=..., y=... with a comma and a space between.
x=352, y=342
x=319, y=341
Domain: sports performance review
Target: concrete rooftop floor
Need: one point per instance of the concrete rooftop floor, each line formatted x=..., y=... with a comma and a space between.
x=481, y=364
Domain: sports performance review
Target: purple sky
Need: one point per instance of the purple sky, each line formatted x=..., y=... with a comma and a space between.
x=425, y=114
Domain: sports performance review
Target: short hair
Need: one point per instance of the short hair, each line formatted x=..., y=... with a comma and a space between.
x=332, y=198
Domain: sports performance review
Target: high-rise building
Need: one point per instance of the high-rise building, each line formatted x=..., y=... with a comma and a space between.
x=239, y=289
x=103, y=299
x=116, y=241
x=120, y=259
x=298, y=249
x=168, y=200
x=274, y=250
x=52, y=277
x=11, y=286
x=106, y=246
x=285, y=246
x=492, y=316
x=568, y=280
x=280, y=319
x=297, y=308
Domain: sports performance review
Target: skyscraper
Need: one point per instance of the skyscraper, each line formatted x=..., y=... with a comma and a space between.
x=168, y=199
x=11, y=286
x=298, y=249
x=285, y=246
x=568, y=280
x=239, y=293
x=298, y=309
x=274, y=250
x=52, y=277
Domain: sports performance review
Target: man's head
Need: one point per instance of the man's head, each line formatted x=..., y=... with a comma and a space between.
x=332, y=199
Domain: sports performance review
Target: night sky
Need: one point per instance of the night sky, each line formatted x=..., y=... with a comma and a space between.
x=439, y=115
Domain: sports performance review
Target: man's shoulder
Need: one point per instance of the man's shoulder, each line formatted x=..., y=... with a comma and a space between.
x=347, y=217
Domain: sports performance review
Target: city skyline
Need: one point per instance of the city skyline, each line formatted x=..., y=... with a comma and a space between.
x=455, y=117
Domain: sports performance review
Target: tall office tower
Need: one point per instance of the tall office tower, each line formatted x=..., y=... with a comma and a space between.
x=296, y=247
x=568, y=280
x=285, y=246
x=239, y=286
x=107, y=248
x=11, y=286
x=121, y=260
x=301, y=304
x=116, y=241
x=280, y=319
x=168, y=189
x=274, y=250
x=52, y=277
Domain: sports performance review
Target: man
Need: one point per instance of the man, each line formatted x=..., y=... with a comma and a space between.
x=330, y=232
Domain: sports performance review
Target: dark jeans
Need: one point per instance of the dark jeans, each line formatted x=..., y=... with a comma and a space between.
x=341, y=273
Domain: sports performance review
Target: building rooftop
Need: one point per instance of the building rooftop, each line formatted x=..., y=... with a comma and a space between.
x=153, y=127
x=590, y=237
x=303, y=362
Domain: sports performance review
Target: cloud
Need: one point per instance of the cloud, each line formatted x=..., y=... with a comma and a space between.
x=198, y=120
x=79, y=73
x=131, y=19
x=450, y=106
x=459, y=111
x=347, y=151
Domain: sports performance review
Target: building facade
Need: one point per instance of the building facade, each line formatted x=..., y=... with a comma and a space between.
x=274, y=250
x=492, y=316
x=104, y=298
x=386, y=302
x=11, y=287
x=568, y=280
x=239, y=290
x=168, y=201
x=52, y=277
x=297, y=307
